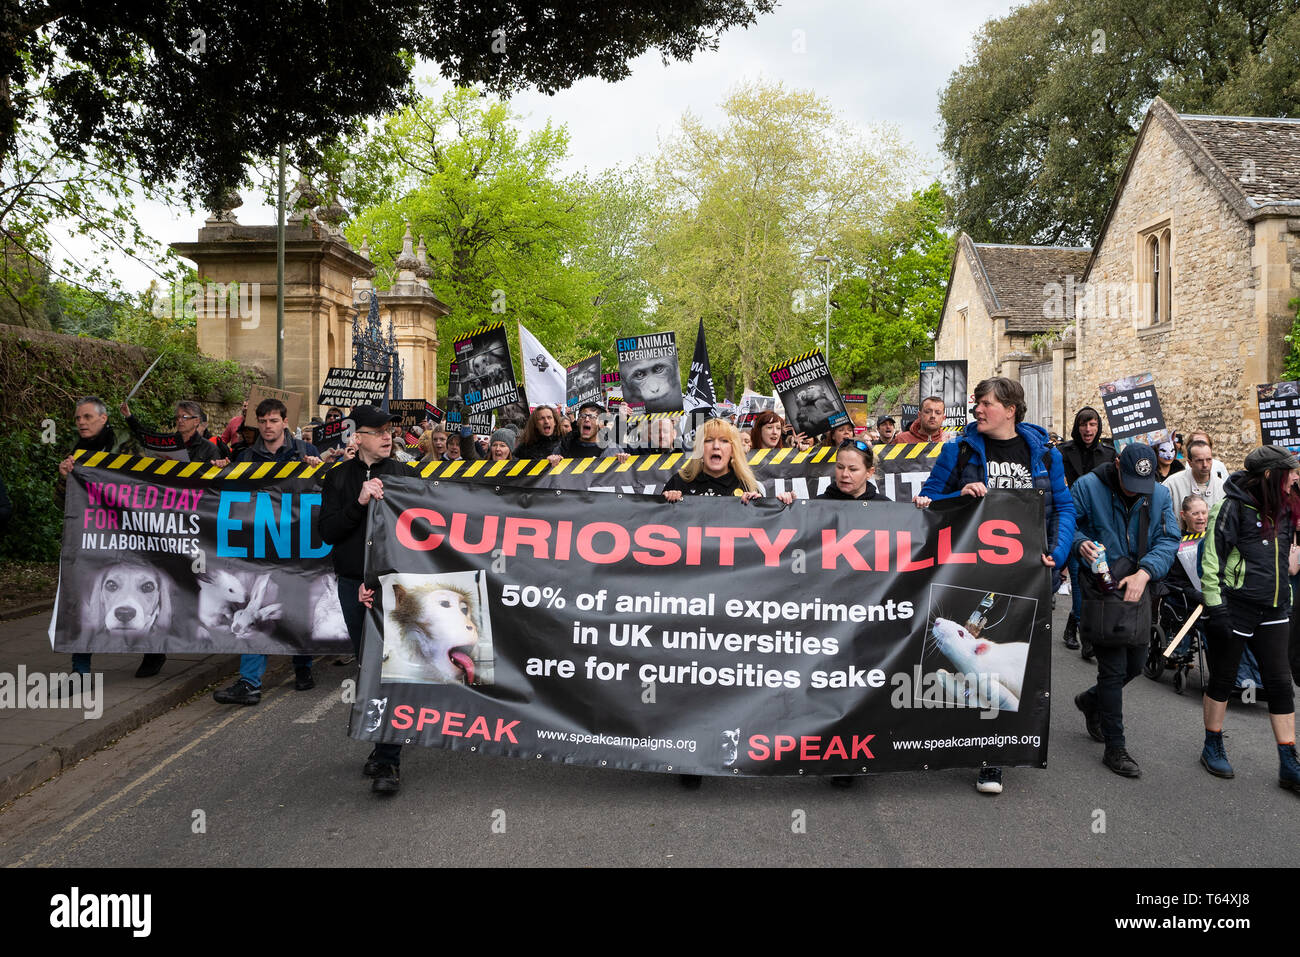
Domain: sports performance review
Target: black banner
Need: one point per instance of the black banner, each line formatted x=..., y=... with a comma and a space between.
x=583, y=382
x=414, y=411
x=1279, y=414
x=647, y=371
x=349, y=388
x=332, y=434
x=901, y=471
x=162, y=445
x=158, y=557
x=487, y=372
x=707, y=637
x=1133, y=411
x=811, y=399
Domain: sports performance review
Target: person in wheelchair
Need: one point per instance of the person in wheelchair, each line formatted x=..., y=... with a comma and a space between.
x=1178, y=596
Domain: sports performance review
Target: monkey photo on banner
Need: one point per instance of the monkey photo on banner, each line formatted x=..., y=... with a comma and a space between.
x=647, y=368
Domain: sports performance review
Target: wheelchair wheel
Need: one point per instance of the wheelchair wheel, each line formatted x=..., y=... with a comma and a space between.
x=1155, y=665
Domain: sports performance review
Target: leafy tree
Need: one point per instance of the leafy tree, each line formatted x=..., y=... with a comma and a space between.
x=497, y=219
x=194, y=88
x=891, y=303
x=1039, y=123
x=740, y=212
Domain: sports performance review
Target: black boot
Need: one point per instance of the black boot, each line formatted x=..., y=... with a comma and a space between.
x=1071, y=636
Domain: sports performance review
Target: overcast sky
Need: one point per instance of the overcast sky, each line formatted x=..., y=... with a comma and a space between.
x=876, y=62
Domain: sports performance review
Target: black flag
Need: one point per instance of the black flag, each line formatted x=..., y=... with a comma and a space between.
x=699, y=387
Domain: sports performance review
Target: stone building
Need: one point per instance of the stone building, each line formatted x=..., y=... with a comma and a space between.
x=323, y=280
x=1193, y=271
x=1001, y=302
x=1190, y=279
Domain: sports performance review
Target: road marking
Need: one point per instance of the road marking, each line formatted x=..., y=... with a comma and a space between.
x=76, y=825
x=318, y=712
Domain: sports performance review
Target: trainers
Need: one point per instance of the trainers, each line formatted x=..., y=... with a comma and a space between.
x=1071, y=635
x=150, y=665
x=1214, y=757
x=1288, y=774
x=989, y=781
x=302, y=679
x=1121, y=762
x=386, y=780
x=241, y=692
x=1091, y=718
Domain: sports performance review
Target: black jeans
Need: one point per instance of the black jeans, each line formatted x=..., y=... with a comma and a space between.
x=1267, y=632
x=354, y=616
x=1117, y=665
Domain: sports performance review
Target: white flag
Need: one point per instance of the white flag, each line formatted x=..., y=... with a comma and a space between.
x=544, y=378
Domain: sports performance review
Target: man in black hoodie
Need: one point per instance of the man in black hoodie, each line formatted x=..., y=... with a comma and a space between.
x=345, y=499
x=1084, y=452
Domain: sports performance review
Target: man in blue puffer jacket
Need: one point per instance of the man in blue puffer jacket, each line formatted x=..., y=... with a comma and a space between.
x=1114, y=502
x=1000, y=450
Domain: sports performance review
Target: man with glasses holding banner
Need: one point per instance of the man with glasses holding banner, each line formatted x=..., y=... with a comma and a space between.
x=345, y=498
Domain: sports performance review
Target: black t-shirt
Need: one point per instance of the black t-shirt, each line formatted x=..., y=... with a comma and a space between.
x=1008, y=464
x=705, y=484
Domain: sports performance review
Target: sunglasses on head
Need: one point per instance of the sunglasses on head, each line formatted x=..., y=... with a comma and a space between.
x=856, y=444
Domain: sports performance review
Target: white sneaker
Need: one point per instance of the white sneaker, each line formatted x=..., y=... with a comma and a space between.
x=989, y=781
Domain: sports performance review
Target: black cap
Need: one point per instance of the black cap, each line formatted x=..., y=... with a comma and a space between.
x=1270, y=457
x=591, y=405
x=369, y=417
x=1137, y=468
x=885, y=418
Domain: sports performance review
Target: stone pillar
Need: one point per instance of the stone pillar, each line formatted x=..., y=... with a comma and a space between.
x=1271, y=257
x=414, y=311
x=319, y=267
x=1062, y=414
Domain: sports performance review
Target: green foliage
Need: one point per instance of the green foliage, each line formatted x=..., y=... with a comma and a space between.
x=742, y=209
x=195, y=88
x=507, y=238
x=1291, y=364
x=891, y=304
x=1040, y=122
x=30, y=468
x=42, y=376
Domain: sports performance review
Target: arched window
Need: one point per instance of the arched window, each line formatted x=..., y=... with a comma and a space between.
x=1156, y=275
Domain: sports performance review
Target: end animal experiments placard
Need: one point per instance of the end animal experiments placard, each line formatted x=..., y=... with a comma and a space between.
x=583, y=382
x=487, y=373
x=706, y=637
x=812, y=402
x=1133, y=411
x=647, y=370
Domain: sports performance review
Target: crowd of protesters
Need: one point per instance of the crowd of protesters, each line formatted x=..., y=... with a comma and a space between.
x=1113, y=521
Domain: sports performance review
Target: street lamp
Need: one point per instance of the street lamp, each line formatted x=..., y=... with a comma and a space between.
x=827, y=344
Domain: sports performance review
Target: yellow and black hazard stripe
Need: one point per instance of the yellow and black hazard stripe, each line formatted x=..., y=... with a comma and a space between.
x=648, y=416
x=173, y=468
x=790, y=362
x=479, y=331
x=1193, y=536
x=912, y=450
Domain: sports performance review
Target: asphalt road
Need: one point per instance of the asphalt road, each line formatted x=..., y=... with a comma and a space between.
x=280, y=785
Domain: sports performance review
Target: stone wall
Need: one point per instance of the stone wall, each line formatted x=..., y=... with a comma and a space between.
x=981, y=337
x=1200, y=356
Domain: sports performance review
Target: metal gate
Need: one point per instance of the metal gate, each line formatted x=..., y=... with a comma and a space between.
x=1036, y=380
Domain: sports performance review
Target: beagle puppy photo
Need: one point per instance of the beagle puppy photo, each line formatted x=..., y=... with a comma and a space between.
x=128, y=602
